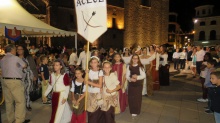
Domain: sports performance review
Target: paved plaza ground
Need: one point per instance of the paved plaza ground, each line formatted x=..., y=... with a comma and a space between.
x=171, y=104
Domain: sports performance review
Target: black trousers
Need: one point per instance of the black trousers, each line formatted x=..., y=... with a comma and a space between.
x=198, y=66
x=164, y=75
x=182, y=63
x=176, y=64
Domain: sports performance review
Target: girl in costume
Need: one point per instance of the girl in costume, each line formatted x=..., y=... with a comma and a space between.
x=59, y=82
x=135, y=75
x=78, y=100
x=95, y=115
x=110, y=95
x=119, y=67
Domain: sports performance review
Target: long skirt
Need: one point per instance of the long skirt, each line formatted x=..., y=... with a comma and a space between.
x=79, y=115
x=122, y=100
x=109, y=116
x=164, y=75
x=135, y=96
x=149, y=81
x=95, y=115
x=155, y=78
x=61, y=113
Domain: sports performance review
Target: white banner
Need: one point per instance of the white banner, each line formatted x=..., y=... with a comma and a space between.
x=91, y=18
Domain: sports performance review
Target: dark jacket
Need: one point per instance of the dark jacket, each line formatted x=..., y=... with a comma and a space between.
x=214, y=93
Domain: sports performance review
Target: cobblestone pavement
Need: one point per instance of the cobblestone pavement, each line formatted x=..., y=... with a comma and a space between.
x=171, y=104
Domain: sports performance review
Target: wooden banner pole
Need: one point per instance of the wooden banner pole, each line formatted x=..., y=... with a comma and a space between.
x=87, y=74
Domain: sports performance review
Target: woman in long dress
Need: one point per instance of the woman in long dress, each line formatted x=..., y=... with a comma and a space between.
x=59, y=82
x=155, y=64
x=119, y=67
x=146, y=63
x=164, y=75
x=135, y=75
x=126, y=56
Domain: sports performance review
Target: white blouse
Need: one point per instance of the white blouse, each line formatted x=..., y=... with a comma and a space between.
x=78, y=84
x=139, y=77
x=164, y=62
x=126, y=60
x=110, y=82
x=94, y=75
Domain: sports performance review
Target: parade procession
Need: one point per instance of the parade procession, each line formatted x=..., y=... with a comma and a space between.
x=106, y=64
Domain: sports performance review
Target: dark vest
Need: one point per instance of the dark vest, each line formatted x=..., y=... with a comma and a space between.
x=78, y=89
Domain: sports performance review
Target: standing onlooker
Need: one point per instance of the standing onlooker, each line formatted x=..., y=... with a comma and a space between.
x=189, y=58
x=33, y=50
x=199, y=58
x=72, y=61
x=82, y=58
x=214, y=95
x=193, y=66
x=135, y=75
x=183, y=57
x=12, y=86
x=208, y=85
x=44, y=71
x=111, y=54
x=30, y=73
x=176, y=57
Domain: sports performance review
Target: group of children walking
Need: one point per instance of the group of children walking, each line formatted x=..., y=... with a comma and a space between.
x=107, y=95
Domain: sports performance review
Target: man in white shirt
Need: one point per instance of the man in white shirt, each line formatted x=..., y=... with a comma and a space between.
x=82, y=58
x=176, y=57
x=73, y=58
x=199, y=58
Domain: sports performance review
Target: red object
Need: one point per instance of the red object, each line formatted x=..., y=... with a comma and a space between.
x=122, y=96
x=155, y=76
x=55, y=103
x=79, y=118
x=13, y=34
x=66, y=80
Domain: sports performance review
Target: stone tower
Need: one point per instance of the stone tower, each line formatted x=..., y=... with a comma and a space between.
x=146, y=22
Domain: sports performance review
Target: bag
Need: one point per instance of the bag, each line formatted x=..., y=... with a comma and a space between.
x=75, y=106
x=36, y=93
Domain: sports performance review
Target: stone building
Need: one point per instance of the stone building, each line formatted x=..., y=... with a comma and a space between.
x=146, y=22
x=207, y=25
x=141, y=22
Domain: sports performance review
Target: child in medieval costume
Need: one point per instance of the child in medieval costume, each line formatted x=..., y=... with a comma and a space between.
x=78, y=100
x=119, y=68
x=110, y=95
x=59, y=82
x=135, y=75
x=95, y=115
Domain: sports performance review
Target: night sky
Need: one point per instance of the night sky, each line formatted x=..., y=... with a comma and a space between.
x=186, y=11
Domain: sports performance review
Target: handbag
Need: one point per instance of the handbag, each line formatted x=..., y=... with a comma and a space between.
x=36, y=93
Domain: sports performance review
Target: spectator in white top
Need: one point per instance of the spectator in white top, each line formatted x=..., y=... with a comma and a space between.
x=33, y=50
x=183, y=57
x=176, y=57
x=199, y=58
x=82, y=58
x=73, y=58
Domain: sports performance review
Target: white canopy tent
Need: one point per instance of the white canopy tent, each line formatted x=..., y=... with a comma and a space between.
x=12, y=15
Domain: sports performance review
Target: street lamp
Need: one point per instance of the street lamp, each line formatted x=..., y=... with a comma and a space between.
x=196, y=20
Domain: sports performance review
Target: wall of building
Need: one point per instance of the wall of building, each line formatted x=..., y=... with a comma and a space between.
x=146, y=25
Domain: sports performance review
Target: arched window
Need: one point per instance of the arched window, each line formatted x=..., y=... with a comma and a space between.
x=202, y=23
x=213, y=22
x=201, y=35
x=213, y=35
